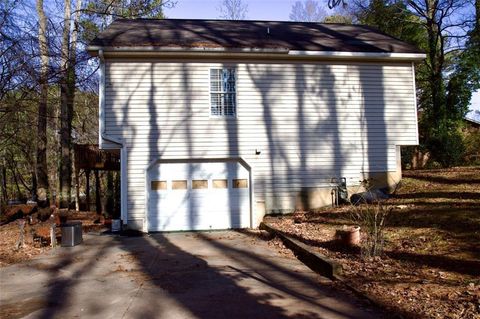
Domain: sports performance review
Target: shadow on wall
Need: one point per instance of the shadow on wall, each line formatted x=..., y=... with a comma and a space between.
x=301, y=173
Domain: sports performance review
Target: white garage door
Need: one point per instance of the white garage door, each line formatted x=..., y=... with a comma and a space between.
x=198, y=196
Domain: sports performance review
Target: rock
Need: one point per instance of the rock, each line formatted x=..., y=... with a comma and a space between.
x=369, y=197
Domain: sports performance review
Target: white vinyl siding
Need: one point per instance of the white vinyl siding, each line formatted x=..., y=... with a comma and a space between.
x=311, y=121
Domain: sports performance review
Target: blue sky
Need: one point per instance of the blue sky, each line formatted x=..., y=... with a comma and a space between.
x=257, y=10
x=475, y=105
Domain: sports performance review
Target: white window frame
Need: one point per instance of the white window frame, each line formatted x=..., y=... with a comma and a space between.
x=210, y=92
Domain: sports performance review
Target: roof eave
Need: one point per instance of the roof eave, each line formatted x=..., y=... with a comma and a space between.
x=250, y=52
x=357, y=55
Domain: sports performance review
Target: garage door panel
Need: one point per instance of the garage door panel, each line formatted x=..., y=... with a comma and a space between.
x=212, y=199
x=191, y=171
x=216, y=220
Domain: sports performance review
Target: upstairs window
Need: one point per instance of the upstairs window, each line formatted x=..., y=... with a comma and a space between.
x=223, y=100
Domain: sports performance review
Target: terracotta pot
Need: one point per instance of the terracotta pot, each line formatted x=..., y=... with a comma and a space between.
x=350, y=236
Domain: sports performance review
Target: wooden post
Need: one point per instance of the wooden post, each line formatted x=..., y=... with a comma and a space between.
x=87, y=188
x=21, y=238
x=77, y=186
x=53, y=236
x=98, y=203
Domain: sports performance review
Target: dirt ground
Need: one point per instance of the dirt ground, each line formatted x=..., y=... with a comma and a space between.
x=431, y=262
x=37, y=236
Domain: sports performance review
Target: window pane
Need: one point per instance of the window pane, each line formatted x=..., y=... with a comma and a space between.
x=199, y=184
x=240, y=183
x=215, y=104
x=222, y=87
x=215, y=80
x=220, y=183
x=158, y=185
x=223, y=104
x=179, y=184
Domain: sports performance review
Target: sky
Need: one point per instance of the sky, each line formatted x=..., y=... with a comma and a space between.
x=278, y=10
x=257, y=9
x=475, y=105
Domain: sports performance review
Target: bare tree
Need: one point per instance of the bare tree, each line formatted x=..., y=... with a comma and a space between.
x=42, y=168
x=65, y=167
x=67, y=97
x=233, y=10
x=307, y=11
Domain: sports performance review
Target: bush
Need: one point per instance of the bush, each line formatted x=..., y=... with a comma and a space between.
x=372, y=218
x=446, y=148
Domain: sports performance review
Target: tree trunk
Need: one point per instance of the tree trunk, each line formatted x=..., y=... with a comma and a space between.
x=65, y=169
x=3, y=172
x=110, y=201
x=87, y=189
x=98, y=190
x=436, y=57
x=477, y=20
x=77, y=186
x=117, y=204
x=43, y=192
x=67, y=99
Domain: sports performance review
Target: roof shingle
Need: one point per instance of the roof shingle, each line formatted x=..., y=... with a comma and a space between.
x=228, y=34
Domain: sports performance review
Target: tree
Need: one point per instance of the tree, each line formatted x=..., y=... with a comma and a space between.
x=66, y=110
x=307, y=11
x=338, y=18
x=444, y=82
x=48, y=82
x=464, y=77
x=43, y=192
x=445, y=22
x=392, y=18
x=233, y=10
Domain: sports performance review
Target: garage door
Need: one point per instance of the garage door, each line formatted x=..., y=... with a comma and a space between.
x=198, y=196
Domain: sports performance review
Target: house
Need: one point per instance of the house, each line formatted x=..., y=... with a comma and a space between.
x=471, y=138
x=220, y=122
x=471, y=125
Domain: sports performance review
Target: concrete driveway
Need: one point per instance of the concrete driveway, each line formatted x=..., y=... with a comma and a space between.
x=224, y=274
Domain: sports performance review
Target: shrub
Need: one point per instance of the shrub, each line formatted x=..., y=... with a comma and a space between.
x=446, y=148
x=372, y=217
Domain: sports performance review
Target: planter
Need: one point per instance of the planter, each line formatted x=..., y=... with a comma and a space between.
x=349, y=236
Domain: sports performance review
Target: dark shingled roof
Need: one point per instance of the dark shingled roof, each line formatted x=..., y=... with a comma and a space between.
x=229, y=34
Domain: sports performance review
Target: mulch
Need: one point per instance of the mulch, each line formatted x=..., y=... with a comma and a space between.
x=37, y=232
x=431, y=262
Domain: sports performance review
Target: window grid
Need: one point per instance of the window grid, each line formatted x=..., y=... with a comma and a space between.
x=222, y=92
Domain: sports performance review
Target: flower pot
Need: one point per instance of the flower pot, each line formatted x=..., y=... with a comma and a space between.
x=349, y=236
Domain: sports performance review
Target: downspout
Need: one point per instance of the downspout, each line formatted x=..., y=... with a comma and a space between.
x=104, y=137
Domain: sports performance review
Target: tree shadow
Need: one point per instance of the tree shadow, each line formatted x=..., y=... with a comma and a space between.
x=466, y=175
x=444, y=180
x=61, y=287
x=218, y=291
x=461, y=266
x=439, y=194
x=286, y=173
